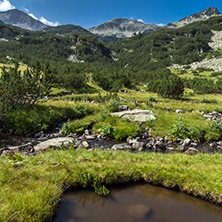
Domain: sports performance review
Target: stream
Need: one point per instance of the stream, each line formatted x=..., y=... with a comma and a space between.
x=135, y=203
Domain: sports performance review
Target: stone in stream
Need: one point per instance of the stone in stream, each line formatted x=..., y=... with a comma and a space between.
x=138, y=211
x=191, y=151
x=28, y=147
x=121, y=146
x=55, y=143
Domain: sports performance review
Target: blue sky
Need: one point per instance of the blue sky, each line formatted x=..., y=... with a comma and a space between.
x=88, y=13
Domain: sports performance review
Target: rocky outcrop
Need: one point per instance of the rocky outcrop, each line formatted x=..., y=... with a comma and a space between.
x=140, y=116
x=203, y=15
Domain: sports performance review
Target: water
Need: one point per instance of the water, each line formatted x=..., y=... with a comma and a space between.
x=136, y=203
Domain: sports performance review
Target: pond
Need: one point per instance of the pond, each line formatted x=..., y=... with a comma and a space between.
x=135, y=203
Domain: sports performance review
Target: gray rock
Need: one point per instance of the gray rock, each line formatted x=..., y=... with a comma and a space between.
x=170, y=148
x=121, y=146
x=136, y=115
x=191, y=151
x=19, y=149
x=149, y=146
x=53, y=143
x=181, y=148
x=90, y=137
x=85, y=144
x=187, y=142
x=123, y=107
x=159, y=145
x=194, y=144
x=138, y=146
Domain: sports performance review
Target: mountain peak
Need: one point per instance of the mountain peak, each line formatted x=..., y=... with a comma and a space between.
x=20, y=19
x=120, y=28
x=203, y=15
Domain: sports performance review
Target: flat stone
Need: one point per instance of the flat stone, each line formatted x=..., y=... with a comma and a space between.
x=53, y=143
x=121, y=146
x=136, y=115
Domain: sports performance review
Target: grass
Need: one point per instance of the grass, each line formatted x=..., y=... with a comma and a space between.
x=31, y=188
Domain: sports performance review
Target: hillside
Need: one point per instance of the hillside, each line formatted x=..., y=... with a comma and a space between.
x=64, y=30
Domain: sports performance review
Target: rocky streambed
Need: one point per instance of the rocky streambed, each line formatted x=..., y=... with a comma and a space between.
x=11, y=145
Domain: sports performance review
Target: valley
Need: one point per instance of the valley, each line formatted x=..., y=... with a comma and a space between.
x=86, y=80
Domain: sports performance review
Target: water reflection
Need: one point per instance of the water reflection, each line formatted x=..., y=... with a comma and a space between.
x=136, y=203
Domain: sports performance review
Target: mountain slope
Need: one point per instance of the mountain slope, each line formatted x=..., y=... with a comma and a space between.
x=120, y=28
x=203, y=15
x=64, y=30
x=20, y=19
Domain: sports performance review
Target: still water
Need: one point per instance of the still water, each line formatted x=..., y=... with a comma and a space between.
x=136, y=203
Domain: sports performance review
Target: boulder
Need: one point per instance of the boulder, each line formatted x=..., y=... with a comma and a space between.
x=140, y=116
x=53, y=143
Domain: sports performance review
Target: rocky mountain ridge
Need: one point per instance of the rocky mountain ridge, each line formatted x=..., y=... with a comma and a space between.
x=121, y=28
x=20, y=19
x=203, y=15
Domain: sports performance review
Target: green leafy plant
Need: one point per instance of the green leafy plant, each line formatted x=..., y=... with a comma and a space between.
x=99, y=189
x=107, y=130
x=180, y=130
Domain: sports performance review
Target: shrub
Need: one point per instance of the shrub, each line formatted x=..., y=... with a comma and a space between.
x=172, y=87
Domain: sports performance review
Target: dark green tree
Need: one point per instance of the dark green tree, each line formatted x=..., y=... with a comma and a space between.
x=19, y=89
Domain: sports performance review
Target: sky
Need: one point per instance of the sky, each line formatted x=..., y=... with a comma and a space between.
x=89, y=13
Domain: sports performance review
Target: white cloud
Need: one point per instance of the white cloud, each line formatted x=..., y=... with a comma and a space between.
x=140, y=20
x=46, y=22
x=5, y=5
x=161, y=24
x=33, y=16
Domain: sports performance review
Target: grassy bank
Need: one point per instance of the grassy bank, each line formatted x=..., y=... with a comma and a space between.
x=31, y=187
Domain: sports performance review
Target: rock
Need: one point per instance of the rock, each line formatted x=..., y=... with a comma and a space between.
x=85, y=144
x=90, y=137
x=140, y=116
x=181, y=148
x=130, y=141
x=159, y=145
x=121, y=146
x=191, y=151
x=219, y=143
x=194, y=144
x=138, y=146
x=123, y=108
x=178, y=111
x=8, y=153
x=149, y=146
x=170, y=148
x=187, y=142
x=28, y=147
x=53, y=143
x=139, y=212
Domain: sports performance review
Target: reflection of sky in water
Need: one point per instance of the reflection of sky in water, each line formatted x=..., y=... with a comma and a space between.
x=165, y=205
